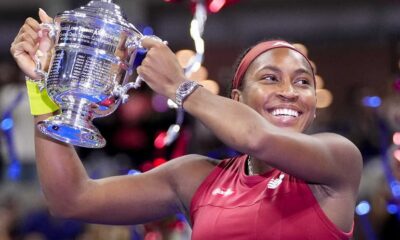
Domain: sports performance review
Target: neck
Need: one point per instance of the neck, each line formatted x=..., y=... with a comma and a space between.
x=256, y=167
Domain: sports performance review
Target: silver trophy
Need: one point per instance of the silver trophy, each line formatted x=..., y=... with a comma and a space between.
x=91, y=63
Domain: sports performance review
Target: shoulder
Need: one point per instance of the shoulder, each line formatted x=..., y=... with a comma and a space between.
x=193, y=166
x=188, y=169
x=187, y=173
x=344, y=153
x=340, y=146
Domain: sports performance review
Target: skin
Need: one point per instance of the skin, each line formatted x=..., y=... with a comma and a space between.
x=280, y=78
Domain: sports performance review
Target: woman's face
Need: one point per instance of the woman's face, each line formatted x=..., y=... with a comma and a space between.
x=279, y=85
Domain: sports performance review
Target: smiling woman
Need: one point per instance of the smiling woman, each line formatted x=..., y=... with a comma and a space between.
x=283, y=180
x=285, y=79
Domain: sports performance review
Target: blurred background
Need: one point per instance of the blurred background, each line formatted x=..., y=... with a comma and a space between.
x=355, y=45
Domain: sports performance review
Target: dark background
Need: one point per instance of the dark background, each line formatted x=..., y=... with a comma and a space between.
x=354, y=43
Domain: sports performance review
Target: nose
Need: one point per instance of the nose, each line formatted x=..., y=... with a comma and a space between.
x=288, y=92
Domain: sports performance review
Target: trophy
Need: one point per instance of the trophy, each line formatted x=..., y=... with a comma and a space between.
x=92, y=59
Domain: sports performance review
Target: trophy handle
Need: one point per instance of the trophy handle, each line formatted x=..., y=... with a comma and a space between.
x=52, y=32
x=122, y=91
x=133, y=45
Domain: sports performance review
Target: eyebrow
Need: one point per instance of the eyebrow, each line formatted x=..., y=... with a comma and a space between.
x=297, y=71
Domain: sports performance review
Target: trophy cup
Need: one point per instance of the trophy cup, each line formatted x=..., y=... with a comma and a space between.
x=91, y=62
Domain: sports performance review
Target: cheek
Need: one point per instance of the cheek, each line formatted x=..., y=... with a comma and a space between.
x=310, y=98
x=257, y=97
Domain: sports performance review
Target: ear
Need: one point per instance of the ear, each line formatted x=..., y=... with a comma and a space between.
x=236, y=95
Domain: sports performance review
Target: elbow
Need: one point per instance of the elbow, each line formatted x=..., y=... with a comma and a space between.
x=70, y=205
x=57, y=212
x=65, y=210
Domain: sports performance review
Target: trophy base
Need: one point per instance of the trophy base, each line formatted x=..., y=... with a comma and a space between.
x=85, y=135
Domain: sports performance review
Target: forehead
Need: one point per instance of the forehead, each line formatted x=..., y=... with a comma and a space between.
x=285, y=58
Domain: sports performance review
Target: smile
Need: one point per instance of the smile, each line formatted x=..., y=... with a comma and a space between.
x=285, y=112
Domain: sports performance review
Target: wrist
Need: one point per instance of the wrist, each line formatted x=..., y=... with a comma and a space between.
x=185, y=89
x=39, y=101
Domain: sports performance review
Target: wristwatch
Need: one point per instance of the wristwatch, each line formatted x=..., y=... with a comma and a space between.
x=184, y=90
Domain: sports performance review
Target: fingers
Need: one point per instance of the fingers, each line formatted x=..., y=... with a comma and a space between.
x=150, y=42
x=27, y=35
x=31, y=23
x=27, y=38
x=27, y=42
x=44, y=17
x=23, y=48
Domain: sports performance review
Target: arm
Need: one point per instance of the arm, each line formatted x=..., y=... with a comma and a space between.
x=326, y=159
x=70, y=193
x=68, y=189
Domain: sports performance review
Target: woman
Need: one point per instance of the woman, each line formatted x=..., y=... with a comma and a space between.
x=286, y=185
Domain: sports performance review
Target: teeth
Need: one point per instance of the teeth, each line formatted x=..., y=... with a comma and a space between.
x=285, y=112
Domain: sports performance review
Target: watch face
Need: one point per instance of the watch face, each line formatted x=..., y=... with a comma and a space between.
x=186, y=86
x=184, y=90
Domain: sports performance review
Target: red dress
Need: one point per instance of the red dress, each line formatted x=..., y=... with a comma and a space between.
x=231, y=205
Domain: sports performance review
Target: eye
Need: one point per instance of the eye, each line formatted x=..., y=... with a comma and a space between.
x=270, y=78
x=303, y=82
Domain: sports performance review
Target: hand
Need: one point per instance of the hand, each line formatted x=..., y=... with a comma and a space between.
x=31, y=41
x=160, y=69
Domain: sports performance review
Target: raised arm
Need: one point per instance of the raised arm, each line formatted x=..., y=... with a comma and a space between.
x=327, y=159
x=70, y=193
x=324, y=158
x=67, y=187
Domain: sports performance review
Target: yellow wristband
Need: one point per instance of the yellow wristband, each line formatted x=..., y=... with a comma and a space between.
x=39, y=102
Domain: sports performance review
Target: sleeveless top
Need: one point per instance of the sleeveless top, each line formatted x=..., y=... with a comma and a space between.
x=231, y=205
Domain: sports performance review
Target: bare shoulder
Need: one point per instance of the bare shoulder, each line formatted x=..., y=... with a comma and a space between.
x=346, y=156
x=192, y=169
x=187, y=174
x=341, y=146
x=192, y=162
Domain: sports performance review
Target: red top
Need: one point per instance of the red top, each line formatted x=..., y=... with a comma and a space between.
x=231, y=205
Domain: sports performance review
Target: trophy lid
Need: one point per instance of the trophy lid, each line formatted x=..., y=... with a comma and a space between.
x=106, y=11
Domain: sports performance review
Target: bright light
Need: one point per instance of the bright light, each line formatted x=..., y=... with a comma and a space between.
x=372, y=101
x=159, y=161
x=196, y=35
x=392, y=208
x=7, y=124
x=14, y=170
x=363, y=208
x=395, y=187
x=396, y=138
x=148, y=31
x=159, y=141
x=200, y=74
x=324, y=98
x=319, y=82
x=216, y=5
x=134, y=172
x=211, y=85
x=171, y=104
x=396, y=154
